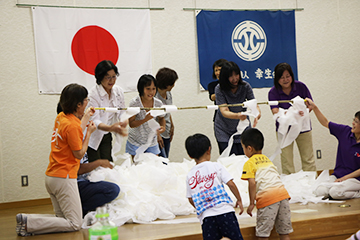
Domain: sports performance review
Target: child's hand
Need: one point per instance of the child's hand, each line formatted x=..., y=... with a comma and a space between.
x=160, y=141
x=249, y=209
x=239, y=204
x=171, y=133
x=161, y=130
x=148, y=117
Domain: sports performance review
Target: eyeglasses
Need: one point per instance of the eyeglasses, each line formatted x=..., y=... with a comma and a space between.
x=110, y=77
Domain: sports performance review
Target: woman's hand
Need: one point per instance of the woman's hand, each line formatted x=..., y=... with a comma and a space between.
x=91, y=127
x=310, y=104
x=86, y=117
x=241, y=116
x=256, y=120
x=160, y=141
x=342, y=179
x=90, y=111
x=124, y=123
x=120, y=128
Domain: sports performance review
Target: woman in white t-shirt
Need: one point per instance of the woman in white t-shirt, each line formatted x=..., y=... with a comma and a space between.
x=105, y=94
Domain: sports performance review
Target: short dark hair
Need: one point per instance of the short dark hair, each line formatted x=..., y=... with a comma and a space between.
x=58, y=108
x=145, y=81
x=70, y=96
x=226, y=72
x=357, y=115
x=165, y=77
x=102, y=68
x=217, y=63
x=197, y=145
x=279, y=70
x=254, y=138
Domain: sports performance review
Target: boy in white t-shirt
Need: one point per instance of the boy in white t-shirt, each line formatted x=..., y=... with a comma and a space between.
x=205, y=191
x=265, y=186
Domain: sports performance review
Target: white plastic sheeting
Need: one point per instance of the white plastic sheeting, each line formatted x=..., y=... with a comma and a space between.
x=251, y=110
x=291, y=117
x=153, y=190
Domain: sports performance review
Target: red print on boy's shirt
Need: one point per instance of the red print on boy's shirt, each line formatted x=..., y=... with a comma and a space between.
x=357, y=154
x=197, y=179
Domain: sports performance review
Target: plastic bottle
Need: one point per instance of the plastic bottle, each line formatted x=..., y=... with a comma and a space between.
x=103, y=229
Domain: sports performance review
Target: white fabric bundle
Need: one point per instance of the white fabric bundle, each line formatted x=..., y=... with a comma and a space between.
x=118, y=138
x=251, y=110
x=291, y=118
x=153, y=190
x=154, y=126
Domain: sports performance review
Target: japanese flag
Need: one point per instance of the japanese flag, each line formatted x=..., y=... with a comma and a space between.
x=69, y=43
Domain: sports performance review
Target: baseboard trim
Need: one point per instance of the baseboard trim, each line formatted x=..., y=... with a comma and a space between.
x=27, y=203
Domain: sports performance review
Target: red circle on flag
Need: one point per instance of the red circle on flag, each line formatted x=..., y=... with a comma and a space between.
x=91, y=45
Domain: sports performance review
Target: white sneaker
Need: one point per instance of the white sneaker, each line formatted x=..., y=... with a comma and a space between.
x=21, y=220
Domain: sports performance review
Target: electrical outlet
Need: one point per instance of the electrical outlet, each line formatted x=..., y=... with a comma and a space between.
x=24, y=181
x=318, y=154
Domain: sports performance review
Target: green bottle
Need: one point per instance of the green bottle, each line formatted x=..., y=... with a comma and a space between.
x=103, y=229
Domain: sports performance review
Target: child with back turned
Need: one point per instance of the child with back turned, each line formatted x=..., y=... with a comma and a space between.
x=205, y=191
x=265, y=186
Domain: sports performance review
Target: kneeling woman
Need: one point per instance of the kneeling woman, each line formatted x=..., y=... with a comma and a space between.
x=67, y=148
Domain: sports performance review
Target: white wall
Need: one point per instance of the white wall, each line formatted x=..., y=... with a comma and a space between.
x=327, y=48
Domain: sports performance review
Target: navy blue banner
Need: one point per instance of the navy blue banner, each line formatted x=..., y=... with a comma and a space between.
x=256, y=40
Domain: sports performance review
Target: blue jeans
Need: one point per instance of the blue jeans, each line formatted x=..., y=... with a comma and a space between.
x=164, y=152
x=96, y=194
x=224, y=225
x=131, y=149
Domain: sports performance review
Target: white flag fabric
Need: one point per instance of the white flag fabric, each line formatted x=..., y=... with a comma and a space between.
x=70, y=42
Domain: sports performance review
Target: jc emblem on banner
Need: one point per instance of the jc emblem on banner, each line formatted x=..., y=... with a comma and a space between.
x=256, y=40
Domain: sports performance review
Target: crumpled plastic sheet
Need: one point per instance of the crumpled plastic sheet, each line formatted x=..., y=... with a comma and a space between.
x=291, y=117
x=251, y=110
x=153, y=190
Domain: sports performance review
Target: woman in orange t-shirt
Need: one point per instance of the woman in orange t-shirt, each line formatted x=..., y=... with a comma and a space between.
x=68, y=146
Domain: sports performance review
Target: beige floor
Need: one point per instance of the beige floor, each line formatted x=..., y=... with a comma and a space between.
x=308, y=220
